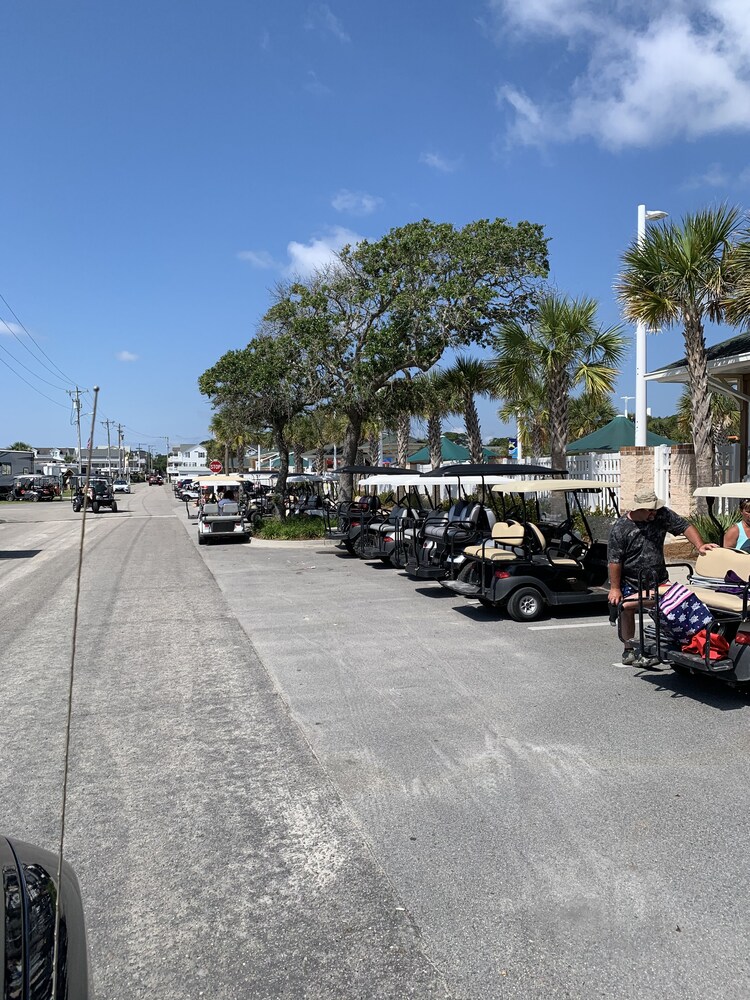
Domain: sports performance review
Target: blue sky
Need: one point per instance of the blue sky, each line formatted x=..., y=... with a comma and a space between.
x=165, y=163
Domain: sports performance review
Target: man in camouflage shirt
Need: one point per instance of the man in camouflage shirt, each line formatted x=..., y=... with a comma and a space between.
x=636, y=544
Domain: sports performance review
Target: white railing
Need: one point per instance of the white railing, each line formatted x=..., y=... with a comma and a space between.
x=662, y=472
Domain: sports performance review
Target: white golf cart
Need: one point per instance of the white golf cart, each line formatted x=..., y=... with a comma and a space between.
x=220, y=518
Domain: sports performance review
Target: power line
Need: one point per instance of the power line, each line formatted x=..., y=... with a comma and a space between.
x=15, y=317
x=29, y=384
x=26, y=367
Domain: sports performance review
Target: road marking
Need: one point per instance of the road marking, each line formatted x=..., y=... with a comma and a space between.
x=547, y=628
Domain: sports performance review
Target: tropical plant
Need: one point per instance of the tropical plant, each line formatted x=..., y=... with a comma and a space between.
x=724, y=413
x=562, y=349
x=396, y=404
x=530, y=412
x=466, y=379
x=588, y=413
x=20, y=446
x=686, y=274
x=433, y=404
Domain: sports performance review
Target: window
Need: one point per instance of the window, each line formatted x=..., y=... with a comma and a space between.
x=5, y=469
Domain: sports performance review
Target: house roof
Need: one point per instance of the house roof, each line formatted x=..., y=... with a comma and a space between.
x=728, y=359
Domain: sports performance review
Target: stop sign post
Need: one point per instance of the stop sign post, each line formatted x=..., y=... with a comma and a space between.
x=215, y=466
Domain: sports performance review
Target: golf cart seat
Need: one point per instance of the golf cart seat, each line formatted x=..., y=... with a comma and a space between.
x=540, y=542
x=506, y=536
x=710, y=572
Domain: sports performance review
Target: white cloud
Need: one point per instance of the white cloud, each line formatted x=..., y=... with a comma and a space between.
x=321, y=16
x=126, y=356
x=439, y=163
x=306, y=258
x=258, y=258
x=649, y=74
x=713, y=176
x=355, y=202
x=315, y=86
x=8, y=329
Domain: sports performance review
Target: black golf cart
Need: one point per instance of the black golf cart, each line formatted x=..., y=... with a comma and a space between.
x=526, y=565
x=98, y=495
x=436, y=546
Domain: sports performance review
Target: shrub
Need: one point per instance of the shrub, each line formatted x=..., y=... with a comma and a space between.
x=292, y=529
x=707, y=529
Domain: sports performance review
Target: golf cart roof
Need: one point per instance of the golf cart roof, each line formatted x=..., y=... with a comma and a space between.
x=311, y=477
x=374, y=470
x=259, y=474
x=217, y=480
x=554, y=486
x=426, y=479
x=497, y=469
x=732, y=491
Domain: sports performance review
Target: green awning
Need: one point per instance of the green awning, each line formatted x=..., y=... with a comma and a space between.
x=618, y=433
x=449, y=451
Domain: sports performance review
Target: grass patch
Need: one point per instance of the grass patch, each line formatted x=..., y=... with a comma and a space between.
x=292, y=529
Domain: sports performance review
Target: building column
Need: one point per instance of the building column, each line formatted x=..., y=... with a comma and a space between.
x=744, y=387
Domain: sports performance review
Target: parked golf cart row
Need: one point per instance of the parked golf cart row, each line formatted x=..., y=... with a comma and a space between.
x=489, y=549
x=508, y=553
x=33, y=488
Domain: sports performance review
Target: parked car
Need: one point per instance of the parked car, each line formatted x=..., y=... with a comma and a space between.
x=121, y=486
x=27, y=922
x=155, y=480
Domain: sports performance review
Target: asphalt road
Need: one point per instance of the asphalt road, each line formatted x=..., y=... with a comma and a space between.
x=319, y=779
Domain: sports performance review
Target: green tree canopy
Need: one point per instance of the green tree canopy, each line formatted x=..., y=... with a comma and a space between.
x=20, y=446
x=395, y=305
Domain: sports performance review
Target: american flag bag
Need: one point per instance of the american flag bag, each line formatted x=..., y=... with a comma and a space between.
x=682, y=612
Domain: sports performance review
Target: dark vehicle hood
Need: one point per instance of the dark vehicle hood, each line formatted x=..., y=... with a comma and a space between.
x=27, y=920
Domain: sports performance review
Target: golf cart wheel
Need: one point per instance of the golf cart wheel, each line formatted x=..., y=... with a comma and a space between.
x=34, y=497
x=201, y=538
x=525, y=605
x=350, y=547
x=95, y=506
x=114, y=507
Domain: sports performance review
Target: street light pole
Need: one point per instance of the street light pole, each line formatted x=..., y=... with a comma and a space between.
x=641, y=404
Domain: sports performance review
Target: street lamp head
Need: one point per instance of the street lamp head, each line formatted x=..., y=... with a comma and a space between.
x=652, y=216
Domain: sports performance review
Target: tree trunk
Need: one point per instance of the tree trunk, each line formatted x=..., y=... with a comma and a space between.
x=226, y=456
x=350, y=448
x=473, y=430
x=700, y=403
x=402, y=439
x=434, y=434
x=320, y=460
x=299, y=462
x=240, y=457
x=558, y=422
x=283, y=449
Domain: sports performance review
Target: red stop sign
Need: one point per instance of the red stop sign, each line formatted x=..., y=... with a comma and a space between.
x=215, y=466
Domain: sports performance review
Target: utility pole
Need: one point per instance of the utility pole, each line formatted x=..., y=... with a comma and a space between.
x=166, y=471
x=119, y=449
x=108, y=424
x=75, y=398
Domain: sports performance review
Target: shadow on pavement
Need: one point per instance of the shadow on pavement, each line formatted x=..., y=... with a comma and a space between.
x=19, y=554
x=706, y=690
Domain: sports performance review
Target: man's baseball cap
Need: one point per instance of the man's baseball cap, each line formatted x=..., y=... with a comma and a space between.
x=646, y=500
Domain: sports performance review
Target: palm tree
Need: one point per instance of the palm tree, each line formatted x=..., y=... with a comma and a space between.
x=686, y=274
x=725, y=415
x=588, y=413
x=396, y=406
x=326, y=427
x=564, y=348
x=467, y=379
x=433, y=404
x=532, y=419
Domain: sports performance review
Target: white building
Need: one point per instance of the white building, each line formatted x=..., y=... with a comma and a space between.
x=186, y=460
